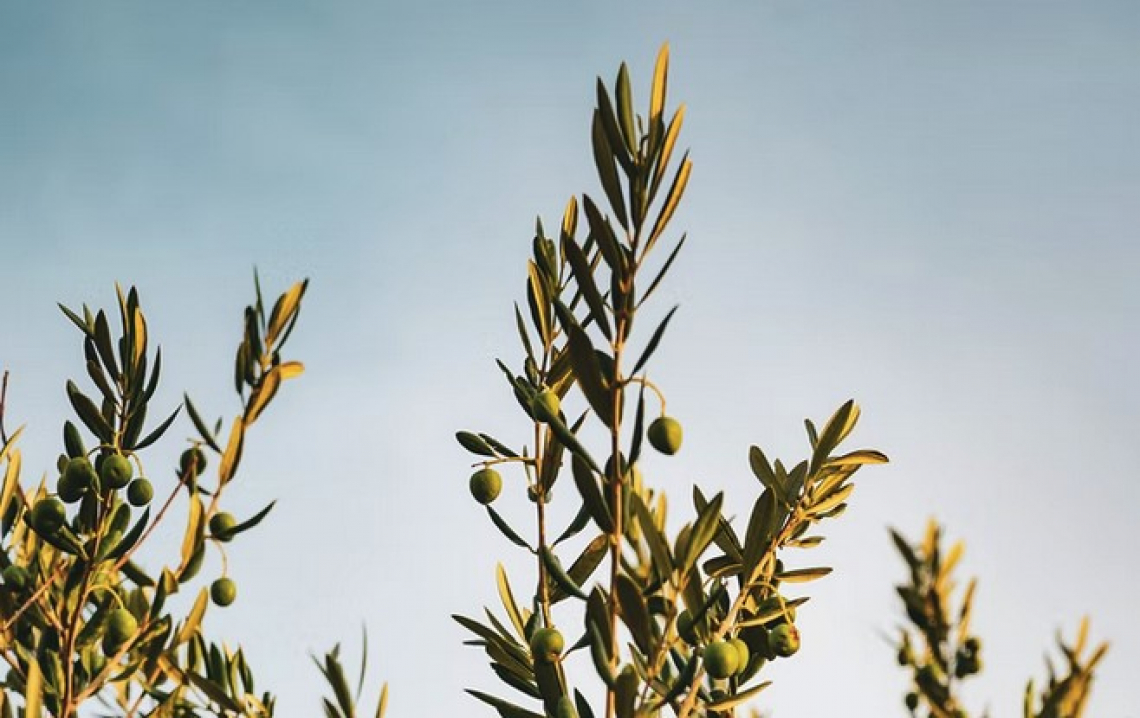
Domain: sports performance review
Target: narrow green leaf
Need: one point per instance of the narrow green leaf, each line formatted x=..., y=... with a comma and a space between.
x=524, y=336
x=505, y=708
x=591, y=494
x=251, y=521
x=607, y=171
x=505, y=528
x=583, y=274
x=556, y=572
x=666, y=152
x=624, y=95
x=90, y=415
x=605, y=111
x=634, y=612
x=584, y=566
x=603, y=234
x=838, y=427
x=859, y=458
x=653, y=342
x=803, y=575
x=586, y=368
x=654, y=538
x=676, y=191
x=104, y=346
x=158, y=432
x=581, y=519
x=200, y=425
x=705, y=528
x=664, y=269
x=83, y=325
x=508, y=599
x=128, y=542
x=474, y=443
x=657, y=95
x=729, y=702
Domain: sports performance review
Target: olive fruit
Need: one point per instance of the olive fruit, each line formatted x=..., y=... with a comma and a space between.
x=79, y=472
x=121, y=625
x=69, y=491
x=721, y=659
x=665, y=435
x=546, y=406
x=784, y=640
x=192, y=462
x=140, y=492
x=744, y=655
x=49, y=516
x=223, y=591
x=16, y=577
x=686, y=628
x=116, y=471
x=756, y=638
x=221, y=524
x=546, y=645
x=485, y=485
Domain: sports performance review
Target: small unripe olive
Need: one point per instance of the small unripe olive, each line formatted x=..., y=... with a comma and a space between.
x=192, y=462
x=686, y=628
x=49, y=516
x=784, y=640
x=16, y=577
x=116, y=471
x=911, y=701
x=140, y=492
x=79, y=472
x=121, y=625
x=223, y=591
x=721, y=659
x=485, y=485
x=69, y=490
x=221, y=524
x=546, y=645
x=742, y=652
x=665, y=435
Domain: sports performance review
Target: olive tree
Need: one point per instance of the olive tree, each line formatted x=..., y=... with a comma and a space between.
x=940, y=650
x=680, y=623
x=84, y=610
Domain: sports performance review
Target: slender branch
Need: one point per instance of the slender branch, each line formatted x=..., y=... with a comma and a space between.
x=32, y=599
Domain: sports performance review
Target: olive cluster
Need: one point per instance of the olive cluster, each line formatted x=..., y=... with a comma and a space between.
x=752, y=645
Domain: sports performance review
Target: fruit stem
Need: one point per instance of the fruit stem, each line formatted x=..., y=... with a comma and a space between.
x=651, y=386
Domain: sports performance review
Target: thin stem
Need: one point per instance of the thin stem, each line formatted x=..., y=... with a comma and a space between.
x=33, y=598
x=616, y=504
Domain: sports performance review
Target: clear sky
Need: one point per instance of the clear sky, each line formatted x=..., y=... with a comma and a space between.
x=930, y=207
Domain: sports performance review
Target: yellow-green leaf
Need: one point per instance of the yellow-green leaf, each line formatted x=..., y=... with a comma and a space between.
x=194, y=619
x=232, y=455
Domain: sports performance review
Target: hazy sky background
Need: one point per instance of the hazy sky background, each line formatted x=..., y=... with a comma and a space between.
x=930, y=207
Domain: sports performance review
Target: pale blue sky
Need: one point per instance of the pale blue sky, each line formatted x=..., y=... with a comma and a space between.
x=931, y=207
